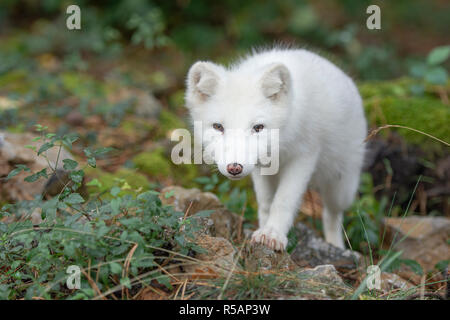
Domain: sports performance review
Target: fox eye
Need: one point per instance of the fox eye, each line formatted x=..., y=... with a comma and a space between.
x=218, y=127
x=258, y=127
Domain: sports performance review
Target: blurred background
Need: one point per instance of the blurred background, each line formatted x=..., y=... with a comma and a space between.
x=119, y=82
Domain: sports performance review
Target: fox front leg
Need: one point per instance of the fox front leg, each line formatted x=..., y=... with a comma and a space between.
x=264, y=186
x=294, y=179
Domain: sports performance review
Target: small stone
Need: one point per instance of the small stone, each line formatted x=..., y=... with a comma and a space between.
x=326, y=273
x=392, y=281
x=259, y=257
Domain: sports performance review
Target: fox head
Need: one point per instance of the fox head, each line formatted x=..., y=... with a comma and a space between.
x=238, y=109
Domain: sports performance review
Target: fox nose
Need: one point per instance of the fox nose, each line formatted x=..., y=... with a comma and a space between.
x=234, y=168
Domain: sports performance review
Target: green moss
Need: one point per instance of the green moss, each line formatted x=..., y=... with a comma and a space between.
x=129, y=180
x=153, y=163
x=176, y=100
x=159, y=80
x=184, y=174
x=19, y=128
x=16, y=81
x=82, y=85
x=391, y=102
x=169, y=121
x=396, y=88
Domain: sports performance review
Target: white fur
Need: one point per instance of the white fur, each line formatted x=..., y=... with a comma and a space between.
x=319, y=113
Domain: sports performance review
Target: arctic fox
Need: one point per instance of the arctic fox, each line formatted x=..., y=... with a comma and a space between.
x=319, y=114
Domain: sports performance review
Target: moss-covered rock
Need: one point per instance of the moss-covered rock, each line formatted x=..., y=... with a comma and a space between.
x=153, y=163
x=128, y=180
x=157, y=163
x=137, y=127
x=82, y=85
x=391, y=102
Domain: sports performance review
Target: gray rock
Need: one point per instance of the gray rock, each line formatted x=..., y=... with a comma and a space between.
x=325, y=273
x=313, y=251
x=392, y=281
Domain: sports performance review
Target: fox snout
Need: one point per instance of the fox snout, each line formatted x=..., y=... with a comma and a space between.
x=234, y=168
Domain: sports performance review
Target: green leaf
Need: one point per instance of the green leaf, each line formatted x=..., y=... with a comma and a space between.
x=442, y=265
x=94, y=183
x=418, y=70
x=92, y=162
x=102, y=151
x=45, y=147
x=19, y=168
x=164, y=280
x=69, y=164
x=414, y=265
x=37, y=176
x=69, y=139
x=115, y=205
x=126, y=282
x=202, y=180
x=224, y=187
x=438, y=55
x=50, y=135
x=115, y=267
x=180, y=239
x=77, y=176
x=436, y=75
x=74, y=198
x=115, y=191
x=169, y=194
x=29, y=146
x=204, y=213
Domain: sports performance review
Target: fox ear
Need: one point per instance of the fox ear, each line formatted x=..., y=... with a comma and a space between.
x=276, y=82
x=202, y=80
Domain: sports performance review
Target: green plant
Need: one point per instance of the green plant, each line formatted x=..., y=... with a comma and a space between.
x=235, y=199
x=118, y=242
x=431, y=71
x=148, y=29
x=364, y=219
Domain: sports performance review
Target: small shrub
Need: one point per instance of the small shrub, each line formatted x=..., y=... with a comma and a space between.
x=117, y=241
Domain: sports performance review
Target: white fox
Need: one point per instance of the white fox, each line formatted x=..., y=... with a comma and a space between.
x=322, y=127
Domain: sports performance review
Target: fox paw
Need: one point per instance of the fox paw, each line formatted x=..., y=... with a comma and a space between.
x=270, y=238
